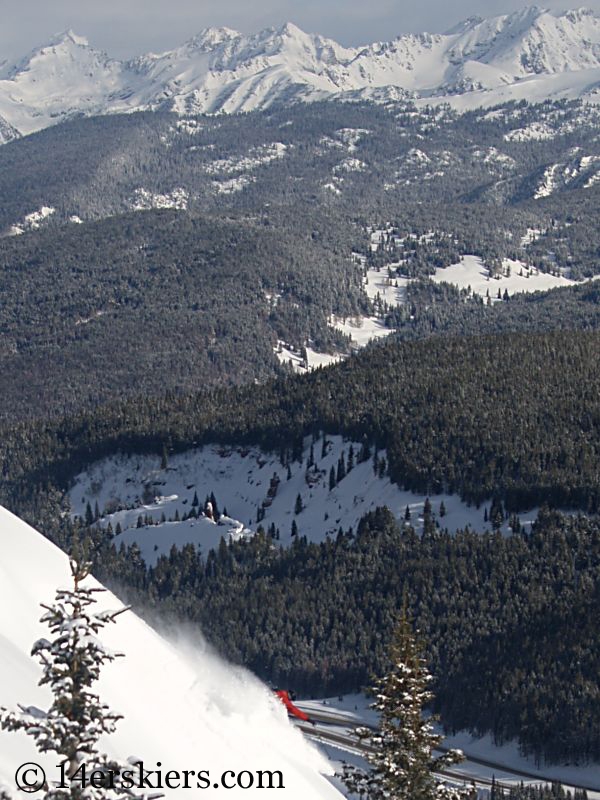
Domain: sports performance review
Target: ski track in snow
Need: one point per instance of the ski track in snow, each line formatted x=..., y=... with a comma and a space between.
x=182, y=705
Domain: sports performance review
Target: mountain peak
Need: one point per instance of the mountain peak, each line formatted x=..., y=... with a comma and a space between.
x=465, y=25
x=221, y=69
x=209, y=38
x=289, y=29
x=68, y=37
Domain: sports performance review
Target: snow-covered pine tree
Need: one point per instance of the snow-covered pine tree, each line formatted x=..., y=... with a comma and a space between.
x=71, y=661
x=400, y=753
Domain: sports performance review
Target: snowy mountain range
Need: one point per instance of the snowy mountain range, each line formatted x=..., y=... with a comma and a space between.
x=182, y=706
x=531, y=54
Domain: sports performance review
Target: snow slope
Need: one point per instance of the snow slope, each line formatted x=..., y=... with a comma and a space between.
x=182, y=706
x=240, y=479
x=530, y=54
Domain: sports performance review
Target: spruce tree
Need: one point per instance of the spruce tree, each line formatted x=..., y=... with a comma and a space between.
x=71, y=662
x=341, y=468
x=332, y=479
x=402, y=763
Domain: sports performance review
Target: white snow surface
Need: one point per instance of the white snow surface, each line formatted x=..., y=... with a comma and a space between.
x=378, y=284
x=240, y=478
x=472, y=272
x=32, y=221
x=530, y=54
x=355, y=709
x=288, y=355
x=362, y=330
x=144, y=199
x=182, y=705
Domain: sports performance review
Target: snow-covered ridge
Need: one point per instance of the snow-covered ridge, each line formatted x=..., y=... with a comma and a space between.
x=529, y=54
x=182, y=706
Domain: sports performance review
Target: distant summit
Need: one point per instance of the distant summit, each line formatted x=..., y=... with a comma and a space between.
x=531, y=54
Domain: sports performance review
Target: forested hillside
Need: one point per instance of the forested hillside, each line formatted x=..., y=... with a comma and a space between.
x=509, y=622
x=201, y=242
x=131, y=305
x=513, y=417
x=152, y=268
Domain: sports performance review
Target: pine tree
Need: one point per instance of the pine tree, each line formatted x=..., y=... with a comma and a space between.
x=365, y=452
x=215, y=508
x=341, y=468
x=298, y=507
x=164, y=460
x=71, y=662
x=401, y=759
x=324, y=447
x=496, y=516
x=332, y=480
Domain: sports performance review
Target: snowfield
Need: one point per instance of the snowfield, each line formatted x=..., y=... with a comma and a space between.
x=361, y=330
x=471, y=272
x=244, y=481
x=182, y=705
x=531, y=54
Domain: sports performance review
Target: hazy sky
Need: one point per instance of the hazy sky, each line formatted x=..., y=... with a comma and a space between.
x=129, y=27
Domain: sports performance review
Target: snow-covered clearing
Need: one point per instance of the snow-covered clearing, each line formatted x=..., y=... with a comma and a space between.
x=33, y=221
x=287, y=355
x=362, y=330
x=349, y=165
x=255, y=158
x=144, y=200
x=182, y=706
x=334, y=186
x=248, y=482
x=233, y=184
x=391, y=290
x=471, y=272
x=345, y=138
